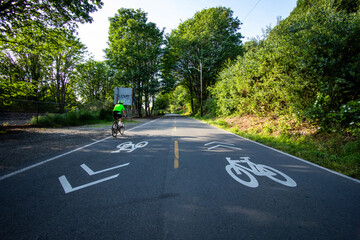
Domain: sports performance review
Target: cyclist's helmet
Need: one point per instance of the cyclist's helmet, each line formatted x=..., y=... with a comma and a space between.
x=120, y=102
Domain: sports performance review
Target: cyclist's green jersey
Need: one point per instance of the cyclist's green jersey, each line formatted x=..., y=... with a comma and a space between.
x=119, y=108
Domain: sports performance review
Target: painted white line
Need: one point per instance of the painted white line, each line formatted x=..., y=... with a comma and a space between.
x=144, y=124
x=218, y=142
x=64, y=154
x=68, y=188
x=49, y=160
x=286, y=154
x=225, y=146
x=91, y=172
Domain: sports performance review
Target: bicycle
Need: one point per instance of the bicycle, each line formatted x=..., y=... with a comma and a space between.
x=130, y=147
x=116, y=128
x=235, y=170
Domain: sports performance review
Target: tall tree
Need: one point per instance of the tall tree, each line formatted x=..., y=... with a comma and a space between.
x=65, y=59
x=134, y=50
x=204, y=42
x=93, y=81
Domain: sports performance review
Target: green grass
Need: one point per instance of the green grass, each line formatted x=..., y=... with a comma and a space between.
x=331, y=150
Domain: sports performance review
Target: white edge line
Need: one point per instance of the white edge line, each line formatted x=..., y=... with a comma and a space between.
x=64, y=154
x=286, y=154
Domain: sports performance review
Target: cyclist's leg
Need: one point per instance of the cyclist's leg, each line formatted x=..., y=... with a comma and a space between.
x=115, y=116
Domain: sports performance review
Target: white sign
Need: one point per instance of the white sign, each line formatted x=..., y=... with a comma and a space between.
x=123, y=94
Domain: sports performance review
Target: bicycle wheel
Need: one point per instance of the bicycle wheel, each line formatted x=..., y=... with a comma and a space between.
x=122, y=129
x=276, y=175
x=141, y=144
x=236, y=172
x=114, y=129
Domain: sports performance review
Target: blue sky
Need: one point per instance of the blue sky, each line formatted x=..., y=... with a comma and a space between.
x=255, y=15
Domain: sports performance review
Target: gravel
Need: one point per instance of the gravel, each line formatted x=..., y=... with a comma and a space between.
x=23, y=146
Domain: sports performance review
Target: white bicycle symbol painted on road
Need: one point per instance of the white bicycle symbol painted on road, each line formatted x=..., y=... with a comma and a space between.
x=129, y=146
x=243, y=175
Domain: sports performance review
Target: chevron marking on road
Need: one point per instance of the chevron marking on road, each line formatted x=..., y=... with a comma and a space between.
x=221, y=144
x=68, y=188
x=91, y=172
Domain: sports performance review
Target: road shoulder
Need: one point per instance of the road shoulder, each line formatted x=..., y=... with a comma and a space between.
x=23, y=146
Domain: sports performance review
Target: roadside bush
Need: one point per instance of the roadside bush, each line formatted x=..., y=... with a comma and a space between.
x=308, y=67
x=70, y=119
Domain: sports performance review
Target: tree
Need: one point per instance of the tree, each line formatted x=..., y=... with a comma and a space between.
x=17, y=14
x=38, y=48
x=134, y=50
x=42, y=67
x=209, y=39
x=64, y=61
x=93, y=81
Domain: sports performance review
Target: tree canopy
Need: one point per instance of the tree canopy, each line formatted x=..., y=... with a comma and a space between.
x=134, y=51
x=208, y=39
x=16, y=14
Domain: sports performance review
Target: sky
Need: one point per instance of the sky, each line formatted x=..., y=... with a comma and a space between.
x=255, y=15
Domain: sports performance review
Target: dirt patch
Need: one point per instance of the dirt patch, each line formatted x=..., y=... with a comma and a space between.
x=273, y=124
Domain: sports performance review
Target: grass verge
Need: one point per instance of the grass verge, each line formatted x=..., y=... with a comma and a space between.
x=331, y=150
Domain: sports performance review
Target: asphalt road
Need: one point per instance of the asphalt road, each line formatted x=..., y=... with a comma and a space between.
x=178, y=178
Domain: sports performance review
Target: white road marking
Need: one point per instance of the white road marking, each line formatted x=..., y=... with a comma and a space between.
x=129, y=146
x=91, y=172
x=218, y=142
x=68, y=188
x=67, y=153
x=228, y=145
x=286, y=154
x=225, y=146
x=48, y=160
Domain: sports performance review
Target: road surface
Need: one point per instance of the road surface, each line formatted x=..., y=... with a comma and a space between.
x=178, y=178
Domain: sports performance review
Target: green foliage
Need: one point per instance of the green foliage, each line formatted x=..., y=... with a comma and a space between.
x=93, y=81
x=200, y=46
x=308, y=67
x=330, y=150
x=50, y=14
x=134, y=50
x=39, y=70
x=74, y=118
x=162, y=102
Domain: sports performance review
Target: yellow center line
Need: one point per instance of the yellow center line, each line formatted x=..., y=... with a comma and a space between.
x=176, y=153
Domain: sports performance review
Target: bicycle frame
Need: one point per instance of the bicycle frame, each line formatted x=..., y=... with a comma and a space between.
x=258, y=170
x=253, y=167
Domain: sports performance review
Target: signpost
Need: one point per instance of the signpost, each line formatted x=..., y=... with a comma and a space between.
x=125, y=95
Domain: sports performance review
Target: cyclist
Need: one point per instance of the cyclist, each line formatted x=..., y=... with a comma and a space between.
x=118, y=110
